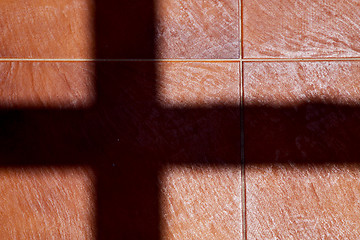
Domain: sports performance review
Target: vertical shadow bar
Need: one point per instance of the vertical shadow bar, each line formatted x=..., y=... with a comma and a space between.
x=127, y=188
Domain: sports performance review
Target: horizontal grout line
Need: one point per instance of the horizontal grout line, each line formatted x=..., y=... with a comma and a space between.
x=298, y=59
x=114, y=60
x=180, y=60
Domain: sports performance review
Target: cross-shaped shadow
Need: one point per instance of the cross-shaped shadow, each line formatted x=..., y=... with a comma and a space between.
x=127, y=137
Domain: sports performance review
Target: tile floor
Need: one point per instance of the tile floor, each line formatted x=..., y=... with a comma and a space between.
x=184, y=119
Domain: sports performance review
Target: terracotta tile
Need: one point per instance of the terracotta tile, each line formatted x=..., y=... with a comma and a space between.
x=296, y=29
x=47, y=203
x=200, y=202
x=197, y=29
x=127, y=136
x=192, y=84
x=309, y=111
x=167, y=29
x=47, y=85
x=119, y=29
x=301, y=149
x=47, y=29
x=303, y=202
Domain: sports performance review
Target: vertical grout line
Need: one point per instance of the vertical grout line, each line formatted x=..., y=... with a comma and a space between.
x=242, y=155
x=241, y=33
x=240, y=30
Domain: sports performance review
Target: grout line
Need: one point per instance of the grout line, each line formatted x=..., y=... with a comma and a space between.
x=240, y=28
x=242, y=159
x=182, y=60
x=298, y=59
x=242, y=155
x=113, y=60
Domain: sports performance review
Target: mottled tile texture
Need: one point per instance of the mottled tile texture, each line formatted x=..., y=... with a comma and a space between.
x=302, y=111
x=163, y=138
x=191, y=85
x=302, y=147
x=305, y=28
x=47, y=29
x=47, y=203
x=197, y=29
x=119, y=29
x=200, y=202
x=127, y=136
x=303, y=202
x=56, y=85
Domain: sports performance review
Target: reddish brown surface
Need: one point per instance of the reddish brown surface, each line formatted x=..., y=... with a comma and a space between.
x=300, y=28
x=100, y=29
x=302, y=112
x=197, y=85
x=47, y=203
x=149, y=150
x=302, y=147
x=127, y=136
x=200, y=202
x=197, y=29
x=47, y=85
x=302, y=201
x=167, y=29
x=47, y=29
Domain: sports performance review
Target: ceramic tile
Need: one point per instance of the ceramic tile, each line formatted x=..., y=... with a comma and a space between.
x=127, y=136
x=47, y=85
x=297, y=29
x=167, y=29
x=47, y=29
x=302, y=111
x=197, y=29
x=192, y=84
x=47, y=203
x=301, y=149
x=303, y=202
x=119, y=29
x=200, y=202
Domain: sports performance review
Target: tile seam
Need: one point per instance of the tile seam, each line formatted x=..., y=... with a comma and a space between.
x=297, y=59
x=240, y=28
x=242, y=156
x=181, y=60
x=114, y=60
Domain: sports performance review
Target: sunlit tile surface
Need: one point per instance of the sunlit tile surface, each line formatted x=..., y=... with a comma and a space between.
x=301, y=148
x=47, y=29
x=197, y=29
x=301, y=28
x=289, y=84
x=163, y=138
x=56, y=85
x=200, y=202
x=303, y=202
x=191, y=85
x=47, y=203
x=167, y=29
x=127, y=136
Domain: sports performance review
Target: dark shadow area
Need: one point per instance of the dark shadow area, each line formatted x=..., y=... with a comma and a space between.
x=126, y=136
x=313, y=133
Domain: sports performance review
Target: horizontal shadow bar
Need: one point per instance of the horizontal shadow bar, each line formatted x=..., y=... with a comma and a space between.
x=310, y=133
